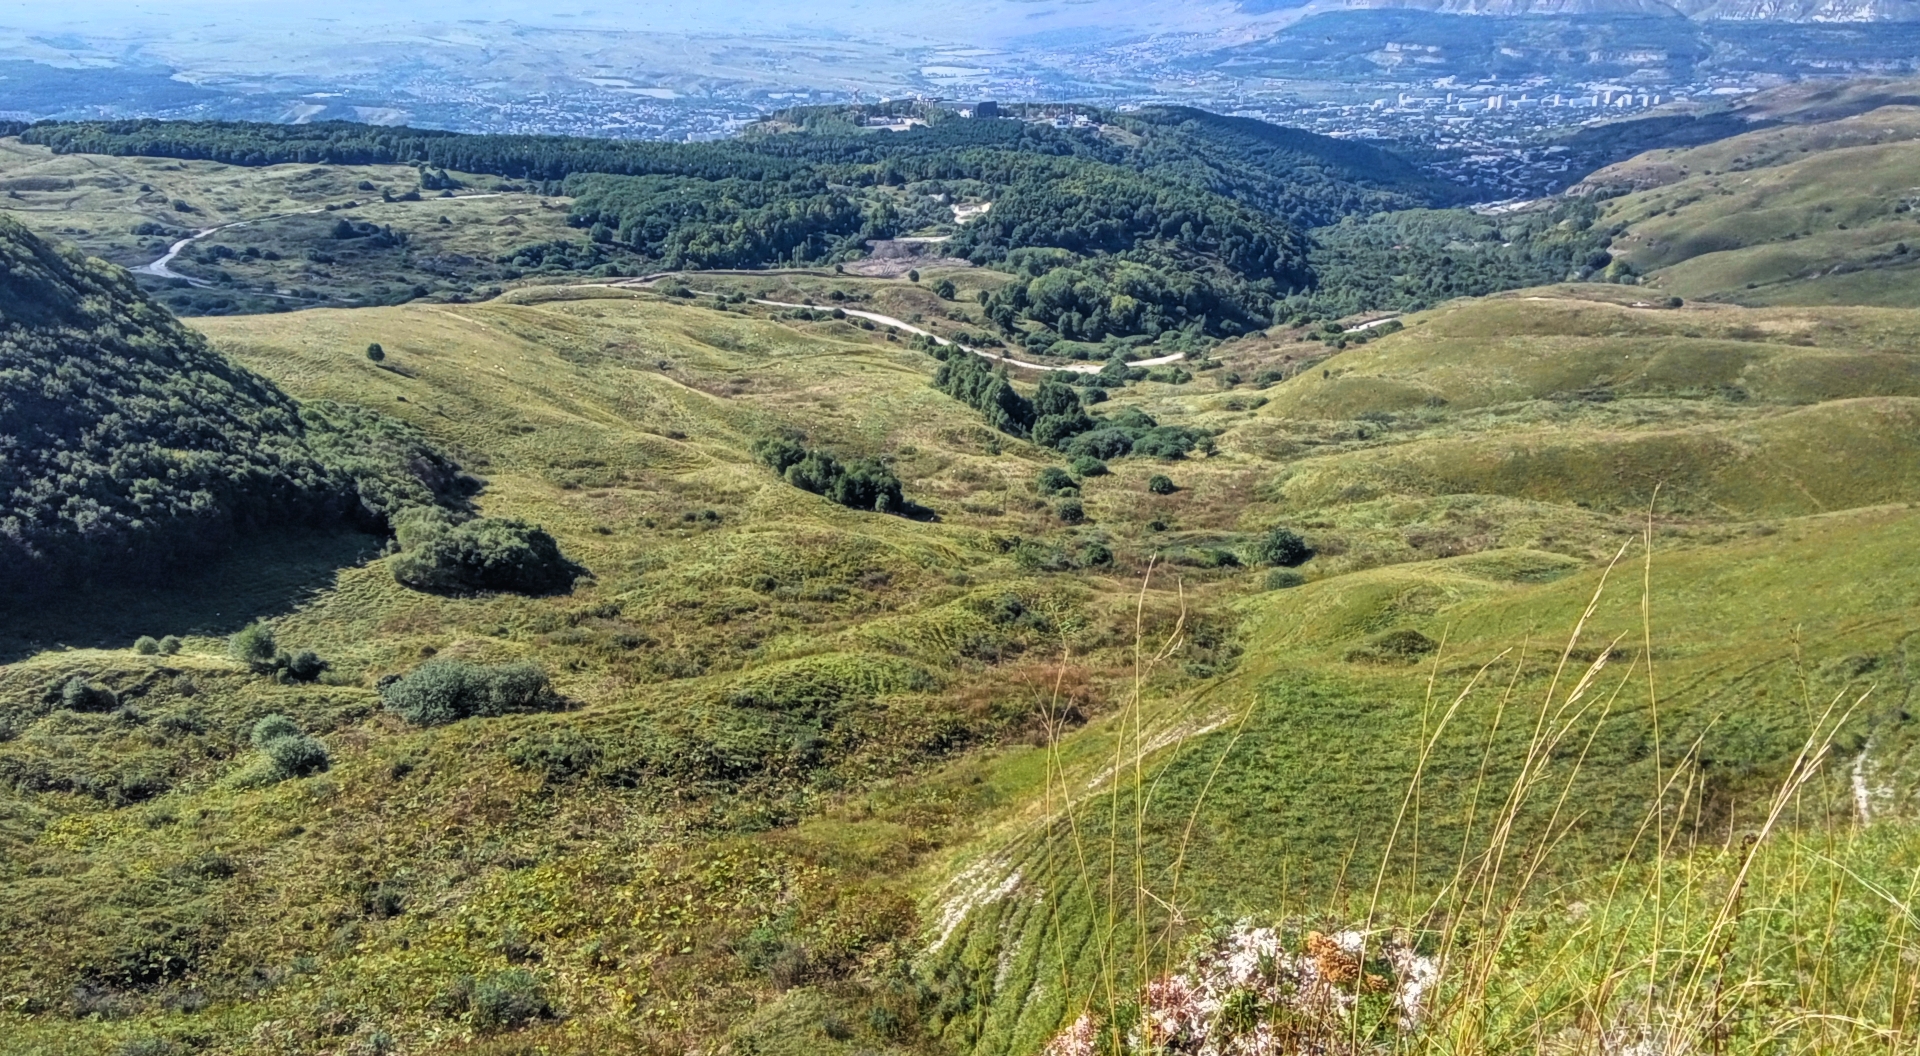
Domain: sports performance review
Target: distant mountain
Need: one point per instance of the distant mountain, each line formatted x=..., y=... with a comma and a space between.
x=1284, y=12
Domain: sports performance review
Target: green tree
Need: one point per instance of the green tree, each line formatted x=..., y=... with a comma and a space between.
x=375, y=352
x=253, y=646
x=1281, y=547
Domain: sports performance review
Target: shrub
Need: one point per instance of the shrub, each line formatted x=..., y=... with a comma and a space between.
x=444, y=691
x=81, y=695
x=297, y=756
x=1052, y=480
x=169, y=645
x=253, y=646
x=486, y=553
x=913, y=275
x=1089, y=466
x=944, y=289
x=1284, y=579
x=375, y=352
x=304, y=666
x=146, y=645
x=288, y=749
x=1401, y=646
x=272, y=728
x=1160, y=484
x=508, y=1000
x=1071, y=511
x=862, y=484
x=1095, y=555
x=1282, y=547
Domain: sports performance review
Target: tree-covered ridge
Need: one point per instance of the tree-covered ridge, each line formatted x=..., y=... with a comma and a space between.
x=1172, y=189
x=1165, y=224
x=127, y=443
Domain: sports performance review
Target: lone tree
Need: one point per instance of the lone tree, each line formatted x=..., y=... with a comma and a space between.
x=253, y=646
x=1282, y=547
x=913, y=275
x=375, y=352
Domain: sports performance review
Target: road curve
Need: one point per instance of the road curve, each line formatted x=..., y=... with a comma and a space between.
x=162, y=268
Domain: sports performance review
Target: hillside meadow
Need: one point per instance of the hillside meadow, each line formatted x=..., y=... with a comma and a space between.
x=1588, y=574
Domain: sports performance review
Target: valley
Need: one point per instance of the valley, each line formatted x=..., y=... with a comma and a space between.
x=1530, y=595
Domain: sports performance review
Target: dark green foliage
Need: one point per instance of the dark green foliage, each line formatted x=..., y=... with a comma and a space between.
x=127, y=446
x=944, y=290
x=169, y=645
x=253, y=646
x=1406, y=261
x=508, y=1000
x=862, y=484
x=78, y=694
x=1284, y=579
x=1052, y=479
x=970, y=380
x=1089, y=466
x=375, y=352
x=147, y=645
x=303, y=666
x=444, y=691
x=1160, y=484
x=439, y=553
x=1095, y=555
x=1401, y=646
x=1281, y=547
x=559, y=756
x=1070, y=511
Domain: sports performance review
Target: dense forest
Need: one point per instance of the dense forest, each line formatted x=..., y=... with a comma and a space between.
x=127, y=445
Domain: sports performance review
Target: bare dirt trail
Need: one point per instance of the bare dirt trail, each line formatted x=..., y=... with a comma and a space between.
x=899, y=324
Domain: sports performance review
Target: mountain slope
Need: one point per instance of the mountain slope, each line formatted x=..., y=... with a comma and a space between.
x=126, y=443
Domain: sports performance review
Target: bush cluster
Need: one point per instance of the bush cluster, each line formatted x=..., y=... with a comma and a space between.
x=254, y=646
x=862, y=484
x=444, y=691
x=440, y=553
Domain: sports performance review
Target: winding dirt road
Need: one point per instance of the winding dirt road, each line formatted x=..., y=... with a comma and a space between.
x=163, y=269
x=898, y=324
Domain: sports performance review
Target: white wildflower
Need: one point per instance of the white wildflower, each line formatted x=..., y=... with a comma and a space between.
x=1077, y=1040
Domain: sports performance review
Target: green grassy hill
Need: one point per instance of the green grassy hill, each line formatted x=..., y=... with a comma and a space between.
x=1584, y=571
x=1817, y=214
x=810, y=782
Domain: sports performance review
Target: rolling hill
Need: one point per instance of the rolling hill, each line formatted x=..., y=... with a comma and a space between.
x=1556, y=644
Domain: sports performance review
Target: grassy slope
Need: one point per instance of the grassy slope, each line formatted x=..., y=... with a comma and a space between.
x=95, y=202
x=611, y=417
x=1795, y=215
x=1754, y=627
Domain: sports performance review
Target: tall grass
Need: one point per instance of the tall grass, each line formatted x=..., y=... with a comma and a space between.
x=1794, y=933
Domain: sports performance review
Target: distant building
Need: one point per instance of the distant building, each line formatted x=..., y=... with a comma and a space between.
x=986, y=111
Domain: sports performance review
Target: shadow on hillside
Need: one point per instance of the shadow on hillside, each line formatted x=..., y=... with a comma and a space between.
x=251, y=579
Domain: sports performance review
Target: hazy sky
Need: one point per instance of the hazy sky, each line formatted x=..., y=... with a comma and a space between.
x=934, y=19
